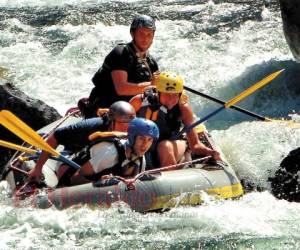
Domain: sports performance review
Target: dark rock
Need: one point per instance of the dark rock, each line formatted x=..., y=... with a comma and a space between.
x=286, y=182
x=290, y=12
x=33, y=112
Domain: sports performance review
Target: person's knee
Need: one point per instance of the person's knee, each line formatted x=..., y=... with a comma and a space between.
x=166, y=154
x=165, y=147
x=174, y=150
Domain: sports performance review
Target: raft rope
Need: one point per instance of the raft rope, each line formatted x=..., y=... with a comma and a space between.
x=130, y=183
x=19, y=170
x=68, y=114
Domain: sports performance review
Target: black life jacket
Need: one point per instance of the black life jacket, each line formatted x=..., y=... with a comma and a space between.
x=123, y=164
x=168, y=121
x=138, y=70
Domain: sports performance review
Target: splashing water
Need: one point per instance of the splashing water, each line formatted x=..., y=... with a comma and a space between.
x=50, y=48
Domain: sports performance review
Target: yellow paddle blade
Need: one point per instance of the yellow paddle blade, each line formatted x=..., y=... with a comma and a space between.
x=17, y=147
x=22, y=130
x=267, y=119
x=200, y=128
x=252, y=89
x=289, y=123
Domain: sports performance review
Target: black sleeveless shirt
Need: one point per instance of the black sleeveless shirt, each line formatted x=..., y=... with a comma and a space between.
x=122, y=57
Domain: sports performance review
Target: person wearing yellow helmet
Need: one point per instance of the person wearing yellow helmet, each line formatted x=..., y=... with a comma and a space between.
x=167, y=105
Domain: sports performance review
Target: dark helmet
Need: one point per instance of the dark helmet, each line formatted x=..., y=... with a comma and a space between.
x=121, y=111
x=141, y=126
x=142, y=21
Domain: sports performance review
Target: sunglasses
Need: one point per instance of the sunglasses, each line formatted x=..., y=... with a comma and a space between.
x=124, y=119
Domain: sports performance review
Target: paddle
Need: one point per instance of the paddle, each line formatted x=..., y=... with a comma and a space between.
x=50, y=178
x=245, y=111
x=18, y=147
x=233, y=101
x=22, y=130
x=24, y=149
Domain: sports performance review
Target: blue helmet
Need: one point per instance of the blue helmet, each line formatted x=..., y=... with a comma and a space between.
x=141, y=126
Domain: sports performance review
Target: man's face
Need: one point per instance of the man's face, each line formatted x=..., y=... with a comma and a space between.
x=169, y=100
x=142, y=144
x=120, y=126
x=143, y=38
x=121, y=123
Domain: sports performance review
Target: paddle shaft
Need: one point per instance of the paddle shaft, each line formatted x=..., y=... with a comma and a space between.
x=232, y=101
x=68, y=161
x=17, y=147
x=187, y=129
x=37, y=153
x=222, y=102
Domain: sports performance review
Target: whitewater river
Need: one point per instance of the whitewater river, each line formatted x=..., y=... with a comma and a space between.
x=50, y=49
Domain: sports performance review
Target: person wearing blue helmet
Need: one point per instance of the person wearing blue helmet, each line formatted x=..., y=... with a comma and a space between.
x=141, y=127
x=75, y=137
x=119, y=157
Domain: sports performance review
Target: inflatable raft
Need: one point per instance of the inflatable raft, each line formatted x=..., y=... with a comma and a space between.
x=188, y=184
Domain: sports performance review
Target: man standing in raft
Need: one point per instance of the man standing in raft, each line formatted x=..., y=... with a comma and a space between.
x=127, y=70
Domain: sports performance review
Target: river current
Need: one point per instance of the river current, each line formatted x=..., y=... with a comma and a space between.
x=50, y=49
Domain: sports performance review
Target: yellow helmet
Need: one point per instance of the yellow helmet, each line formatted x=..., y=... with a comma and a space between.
x=169, y=82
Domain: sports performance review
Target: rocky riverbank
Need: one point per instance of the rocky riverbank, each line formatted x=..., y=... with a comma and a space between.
x=34, y=112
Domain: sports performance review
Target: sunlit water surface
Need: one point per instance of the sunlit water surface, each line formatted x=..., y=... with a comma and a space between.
x=51, y=49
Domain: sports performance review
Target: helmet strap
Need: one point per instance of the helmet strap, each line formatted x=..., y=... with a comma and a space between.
x=112, y=125
x=129, y=149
